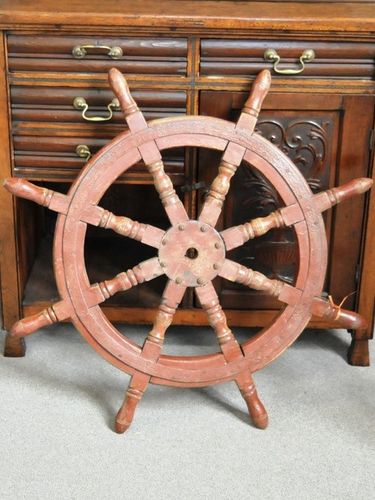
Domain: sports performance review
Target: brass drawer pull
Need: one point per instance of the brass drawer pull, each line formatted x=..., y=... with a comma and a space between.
x=81, y=104
x=272, y=56
x=80, y=51
x=83, y=151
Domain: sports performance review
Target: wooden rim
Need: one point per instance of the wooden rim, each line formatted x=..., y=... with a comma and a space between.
x=117, y=157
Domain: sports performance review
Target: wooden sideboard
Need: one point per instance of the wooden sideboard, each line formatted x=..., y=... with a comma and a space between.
x=186, y=58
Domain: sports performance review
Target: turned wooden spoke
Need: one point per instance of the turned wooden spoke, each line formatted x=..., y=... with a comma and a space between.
x=331, y=197
x=284, y=292
x=146, y=233
x=59, y=311
x=329, y=311
x=96, y=294
x=172, y=204
x=144, y=271
x=233, y=153
x=46, y=197
x=288, y=294
x=137, y=387
x=219, y=188
x=252, y=106
x=209, y=301
x=238, y=235
x=170, y=301
x=149, y=151
x=133, y=116
x=257, y=411
x=151, y=350
x=94, y=215
x=231, y=350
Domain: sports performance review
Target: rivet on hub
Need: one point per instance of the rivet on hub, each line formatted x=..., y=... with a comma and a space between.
x=203, y=229
x=217, y=245
x=215, y=266
x=162, y=264
x=178, y=281
x=200, y=281
x=181, y=227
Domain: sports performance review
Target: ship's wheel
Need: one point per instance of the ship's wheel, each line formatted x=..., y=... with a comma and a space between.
x=190, y=253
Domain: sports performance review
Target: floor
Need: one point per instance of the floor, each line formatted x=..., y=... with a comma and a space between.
x=57, y=439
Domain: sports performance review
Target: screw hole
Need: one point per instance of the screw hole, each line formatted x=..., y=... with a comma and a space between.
x=191, y=253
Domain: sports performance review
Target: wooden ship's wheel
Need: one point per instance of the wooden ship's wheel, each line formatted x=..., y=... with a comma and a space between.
x=190, y=253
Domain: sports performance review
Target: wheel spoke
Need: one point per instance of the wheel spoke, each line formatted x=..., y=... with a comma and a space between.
x=238, y=235
x=149, y=152
x=331, y=197
x=46, y=197
x=232, y=350
x=151, y=350
x=170, y=301
x=209, y=301
x=234, y=153
x=329, y=311
x=133, y=116
x=219, y=188
x=145, y=233
x=257, y=411
x=26, y=326
x=96, y=294
x=137, y=387
x=282, y=291
x=145, y=271
x=172, y=204
x=287, y=216
x=290, y=295
x=251, y=109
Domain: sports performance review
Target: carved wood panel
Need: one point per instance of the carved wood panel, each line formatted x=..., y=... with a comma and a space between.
x=306, y=143
x=309, y=139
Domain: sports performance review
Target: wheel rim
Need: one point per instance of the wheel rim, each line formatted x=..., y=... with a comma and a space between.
x=102, y=171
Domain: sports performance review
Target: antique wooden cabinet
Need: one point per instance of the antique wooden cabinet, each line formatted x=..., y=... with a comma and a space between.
x=186, y=58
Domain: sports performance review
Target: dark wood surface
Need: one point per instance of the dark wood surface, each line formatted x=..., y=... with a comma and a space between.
x=179, y=59
x=227, y=15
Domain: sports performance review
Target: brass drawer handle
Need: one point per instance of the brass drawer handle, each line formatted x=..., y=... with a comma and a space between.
x=83, y=151
x=272, y=56
x=81, y=104
x=80, y=51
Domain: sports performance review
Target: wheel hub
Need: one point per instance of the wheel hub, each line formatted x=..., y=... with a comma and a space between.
x=191, y=253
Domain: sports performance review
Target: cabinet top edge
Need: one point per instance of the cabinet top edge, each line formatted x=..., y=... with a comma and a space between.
x=313, y=16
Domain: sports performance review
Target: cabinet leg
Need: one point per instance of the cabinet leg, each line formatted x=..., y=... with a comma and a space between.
x=358, y=353
x=15, y=347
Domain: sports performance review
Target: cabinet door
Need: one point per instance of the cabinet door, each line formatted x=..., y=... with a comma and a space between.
x=326, y=136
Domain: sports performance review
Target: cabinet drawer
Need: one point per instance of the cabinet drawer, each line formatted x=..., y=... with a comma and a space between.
x=55, y=104
x=156, y=56
x=47, y=129
x=57, y=158
x=246, y=58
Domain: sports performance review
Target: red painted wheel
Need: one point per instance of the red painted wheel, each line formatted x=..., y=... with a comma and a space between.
x=191, y=252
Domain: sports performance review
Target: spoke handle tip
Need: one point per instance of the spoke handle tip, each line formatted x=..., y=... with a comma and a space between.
x=355, y=320
x=353, y=188
x=258, y=92
x=120, y=87
x=331, y=197
x=27, y=190
x=31, y=324
x=343, y=317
